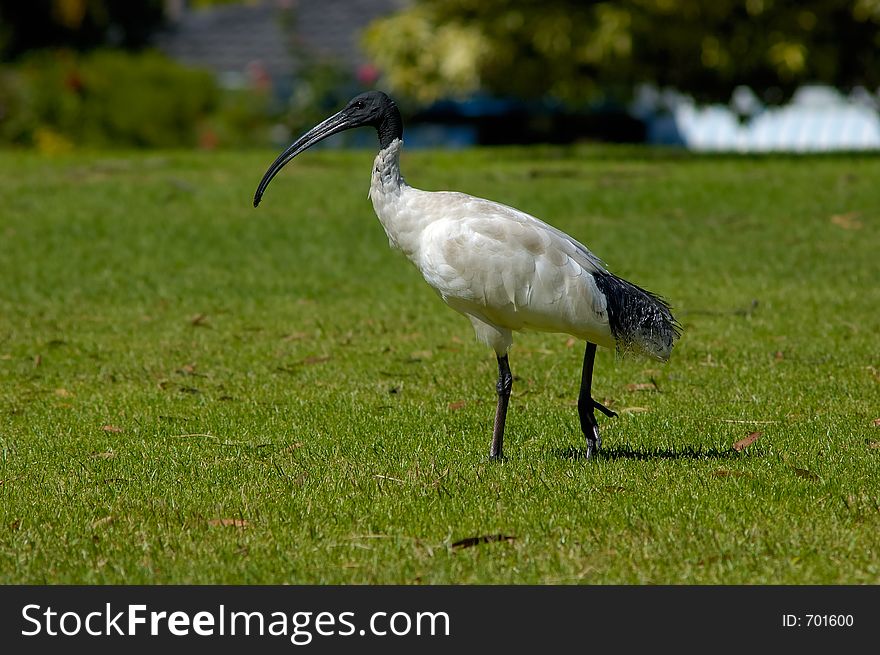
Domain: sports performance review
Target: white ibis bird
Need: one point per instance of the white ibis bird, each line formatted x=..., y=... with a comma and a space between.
x=502, y=268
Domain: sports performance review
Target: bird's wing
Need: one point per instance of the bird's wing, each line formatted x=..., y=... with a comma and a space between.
x=514, y=268
x=497, y=211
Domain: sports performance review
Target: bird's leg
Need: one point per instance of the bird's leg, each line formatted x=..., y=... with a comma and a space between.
x=505, y=383
x=586, y=404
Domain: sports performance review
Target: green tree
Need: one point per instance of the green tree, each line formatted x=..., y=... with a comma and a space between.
x=577, y=51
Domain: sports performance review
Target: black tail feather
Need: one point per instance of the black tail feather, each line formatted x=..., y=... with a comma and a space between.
x=640, y=320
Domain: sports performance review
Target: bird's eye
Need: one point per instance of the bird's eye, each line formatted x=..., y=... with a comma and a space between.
x=359, y=104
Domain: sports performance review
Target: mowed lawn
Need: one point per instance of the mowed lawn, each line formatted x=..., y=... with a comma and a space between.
x=195, y=391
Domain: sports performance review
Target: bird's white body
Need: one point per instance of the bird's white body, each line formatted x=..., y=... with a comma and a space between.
x=502, y=268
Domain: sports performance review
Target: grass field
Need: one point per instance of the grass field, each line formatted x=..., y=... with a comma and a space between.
x=194, y=391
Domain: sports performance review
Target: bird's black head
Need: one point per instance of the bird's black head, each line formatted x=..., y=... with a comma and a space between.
x=371, y=109
x=368, y=108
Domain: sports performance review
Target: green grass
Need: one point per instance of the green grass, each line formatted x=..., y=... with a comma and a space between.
x=194, y=391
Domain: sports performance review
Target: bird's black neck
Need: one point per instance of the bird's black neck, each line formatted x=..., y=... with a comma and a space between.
x=390, y=126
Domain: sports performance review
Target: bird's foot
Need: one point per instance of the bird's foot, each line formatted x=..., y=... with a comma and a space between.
x=495, y=452
x=589, y=425
x=591, y=432
x=610, y=413
x=594, y=441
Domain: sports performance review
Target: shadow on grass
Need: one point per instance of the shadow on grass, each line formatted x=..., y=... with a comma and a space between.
x=628, y=452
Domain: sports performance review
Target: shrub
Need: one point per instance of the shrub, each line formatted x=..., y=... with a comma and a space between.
x=105, y=99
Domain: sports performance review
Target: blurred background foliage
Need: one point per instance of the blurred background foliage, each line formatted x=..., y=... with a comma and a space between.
x=576, y=51
x=84, y=73
x=27, y=25
x=104, y=98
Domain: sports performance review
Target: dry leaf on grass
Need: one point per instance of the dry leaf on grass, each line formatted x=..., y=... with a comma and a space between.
x=872, y=444
x=458, y=404
x=315, y=359
x=643, y=386
x=63, y=393
x=229, y=523
x=98, y=523
x=848, y=221
x=876, y=422
x=745, y=442
x=199, y=320
x=111, y=428
x=105, y=455
x=483, y=539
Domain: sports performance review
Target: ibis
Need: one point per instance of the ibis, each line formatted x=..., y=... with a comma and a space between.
x=502, y=268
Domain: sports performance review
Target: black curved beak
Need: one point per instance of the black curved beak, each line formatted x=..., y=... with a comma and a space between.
x=339, y=122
